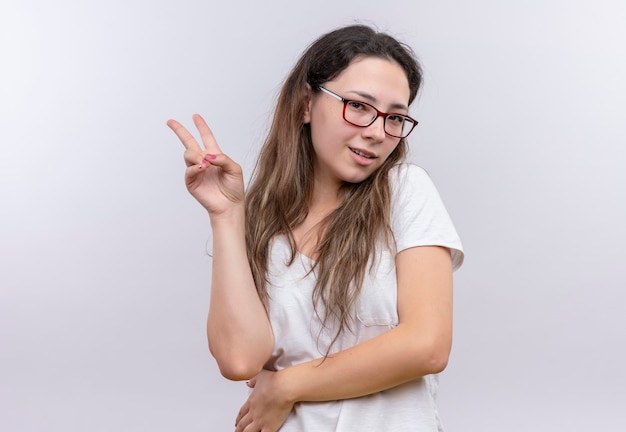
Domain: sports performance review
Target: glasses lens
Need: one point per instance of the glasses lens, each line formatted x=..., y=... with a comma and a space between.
x=359, y=113
x=398, y=125
x=362, y=114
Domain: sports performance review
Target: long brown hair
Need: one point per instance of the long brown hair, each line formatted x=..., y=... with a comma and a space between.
x=278, y=197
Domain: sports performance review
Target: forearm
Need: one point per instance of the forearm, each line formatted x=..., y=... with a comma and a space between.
x=238, y=329
x=391, y=359
x=418, y=346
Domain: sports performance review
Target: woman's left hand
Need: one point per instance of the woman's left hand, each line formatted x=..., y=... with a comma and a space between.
x=267, y=407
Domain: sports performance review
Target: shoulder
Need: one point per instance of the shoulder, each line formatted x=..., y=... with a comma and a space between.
x=418, y=215
x=412, y=182
x=405, y=171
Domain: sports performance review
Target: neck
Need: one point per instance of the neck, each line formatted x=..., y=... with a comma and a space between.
x=325, y=197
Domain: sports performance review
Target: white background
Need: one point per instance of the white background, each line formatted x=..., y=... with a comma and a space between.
x=104, y=276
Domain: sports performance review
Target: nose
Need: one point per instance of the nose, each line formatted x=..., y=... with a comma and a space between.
x=376, y=130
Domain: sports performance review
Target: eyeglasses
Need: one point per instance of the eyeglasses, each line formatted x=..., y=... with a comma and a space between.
x=362, y=114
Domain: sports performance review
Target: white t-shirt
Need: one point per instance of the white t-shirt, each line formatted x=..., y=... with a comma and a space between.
x=418, y=218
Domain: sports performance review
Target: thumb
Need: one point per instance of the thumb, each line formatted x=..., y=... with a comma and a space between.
x=222, y=161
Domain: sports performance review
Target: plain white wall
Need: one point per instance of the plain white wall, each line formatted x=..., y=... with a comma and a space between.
x=104, y=277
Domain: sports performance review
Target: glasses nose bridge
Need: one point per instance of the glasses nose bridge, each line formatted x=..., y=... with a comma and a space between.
x=379, y=114
x=383, y=116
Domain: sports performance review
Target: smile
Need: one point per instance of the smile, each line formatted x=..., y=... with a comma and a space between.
x=360, y=153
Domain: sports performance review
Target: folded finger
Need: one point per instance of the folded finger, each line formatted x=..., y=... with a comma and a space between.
x=193, y=157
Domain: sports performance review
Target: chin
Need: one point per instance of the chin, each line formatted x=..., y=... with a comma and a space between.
x=357, y=178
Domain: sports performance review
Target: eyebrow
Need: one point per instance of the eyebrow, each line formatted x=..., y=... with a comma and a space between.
x=373, y=100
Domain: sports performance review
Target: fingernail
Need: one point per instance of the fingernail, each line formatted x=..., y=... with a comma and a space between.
x=211, y=156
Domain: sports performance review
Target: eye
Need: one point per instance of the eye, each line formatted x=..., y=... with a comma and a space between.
x=396, y=118
x=357, y=106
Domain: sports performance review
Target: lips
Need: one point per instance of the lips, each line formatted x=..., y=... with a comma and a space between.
x=363, y=153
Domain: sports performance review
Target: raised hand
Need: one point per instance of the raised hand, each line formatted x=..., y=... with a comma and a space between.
x=212, y=178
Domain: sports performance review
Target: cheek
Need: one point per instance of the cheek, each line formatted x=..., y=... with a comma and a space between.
x=392, y=146
x=328, y=134
x=318, y=138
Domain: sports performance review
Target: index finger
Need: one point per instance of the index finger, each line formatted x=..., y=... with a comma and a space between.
x=184, y=136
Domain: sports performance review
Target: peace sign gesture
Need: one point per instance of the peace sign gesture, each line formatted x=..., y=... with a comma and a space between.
x=212, y=178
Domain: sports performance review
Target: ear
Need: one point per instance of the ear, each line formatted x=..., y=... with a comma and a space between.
x=307, y=104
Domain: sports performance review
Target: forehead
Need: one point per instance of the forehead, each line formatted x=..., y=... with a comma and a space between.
x=382, y=79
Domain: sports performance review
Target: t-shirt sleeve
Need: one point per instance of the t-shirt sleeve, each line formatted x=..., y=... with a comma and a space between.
x=418, y=216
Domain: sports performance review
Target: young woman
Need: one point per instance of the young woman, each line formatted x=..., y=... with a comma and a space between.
x=331, y=286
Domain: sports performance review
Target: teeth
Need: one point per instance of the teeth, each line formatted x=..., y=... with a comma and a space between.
x=361, y=154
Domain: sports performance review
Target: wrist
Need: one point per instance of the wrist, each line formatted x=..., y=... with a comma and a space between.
x=234, y=216
x=287, y=385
